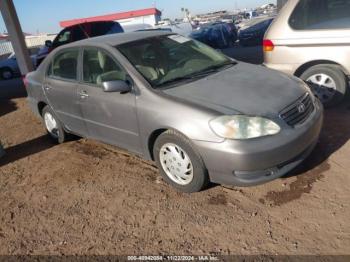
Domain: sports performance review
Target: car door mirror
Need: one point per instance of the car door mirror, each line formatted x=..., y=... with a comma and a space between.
x=116, y=86
x=48, y=43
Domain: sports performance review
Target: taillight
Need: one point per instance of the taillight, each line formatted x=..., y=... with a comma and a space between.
x=268, y=45
x=25, y=81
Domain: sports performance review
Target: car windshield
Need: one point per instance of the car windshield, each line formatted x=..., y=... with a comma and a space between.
x=170, y=59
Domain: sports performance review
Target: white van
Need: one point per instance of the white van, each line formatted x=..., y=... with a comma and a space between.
x=311, y=39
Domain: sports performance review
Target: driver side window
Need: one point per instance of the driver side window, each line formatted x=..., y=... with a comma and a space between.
x=98, y=67
x=63, y=38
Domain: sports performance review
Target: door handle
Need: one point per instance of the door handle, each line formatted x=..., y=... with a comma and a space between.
x=83, y=94
x=47, y=88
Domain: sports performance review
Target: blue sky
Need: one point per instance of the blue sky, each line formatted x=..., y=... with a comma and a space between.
x=44, y=15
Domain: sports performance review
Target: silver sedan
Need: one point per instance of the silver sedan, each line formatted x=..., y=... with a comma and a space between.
x=198, y=114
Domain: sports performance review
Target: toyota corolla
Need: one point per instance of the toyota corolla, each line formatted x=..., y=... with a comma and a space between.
x=201, y=116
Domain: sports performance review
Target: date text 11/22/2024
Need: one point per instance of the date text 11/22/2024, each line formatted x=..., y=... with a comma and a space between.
x=173, y=258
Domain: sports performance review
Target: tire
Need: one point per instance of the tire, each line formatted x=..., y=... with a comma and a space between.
x=6, y=73
x=337, y=83
x=197, y=177
x=56, y=132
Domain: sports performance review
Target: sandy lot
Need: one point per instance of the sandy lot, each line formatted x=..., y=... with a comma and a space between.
x=84, y=197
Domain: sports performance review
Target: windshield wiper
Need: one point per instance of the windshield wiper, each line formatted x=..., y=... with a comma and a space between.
x=209, y=70
x=177, y=79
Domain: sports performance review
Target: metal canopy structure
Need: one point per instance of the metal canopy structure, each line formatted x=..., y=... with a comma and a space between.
x=280, y=4
x=16, y=36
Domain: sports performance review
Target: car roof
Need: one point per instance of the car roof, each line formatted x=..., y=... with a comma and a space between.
x=117, y=39
x=89, y=23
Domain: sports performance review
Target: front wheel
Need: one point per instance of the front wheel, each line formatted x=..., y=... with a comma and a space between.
x=179, y=163
x=327, y=82
x=53, y=126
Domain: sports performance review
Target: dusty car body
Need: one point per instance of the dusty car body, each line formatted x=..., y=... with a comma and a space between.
x=184, y=121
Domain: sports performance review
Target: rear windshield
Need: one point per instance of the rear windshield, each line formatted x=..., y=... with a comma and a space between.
x=321, y=14
x=106, y=28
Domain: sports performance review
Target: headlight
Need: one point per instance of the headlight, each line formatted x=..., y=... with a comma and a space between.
x=242, y=127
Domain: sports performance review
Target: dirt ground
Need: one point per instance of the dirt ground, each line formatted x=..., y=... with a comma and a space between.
x=84, y=197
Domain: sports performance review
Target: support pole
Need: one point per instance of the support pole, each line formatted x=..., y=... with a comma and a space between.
x=16, y=36
x=280, y=4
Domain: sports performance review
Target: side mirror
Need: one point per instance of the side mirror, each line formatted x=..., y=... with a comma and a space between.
x=116, y=86
x=48, y=43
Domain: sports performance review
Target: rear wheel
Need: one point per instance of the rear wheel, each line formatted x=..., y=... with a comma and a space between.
x=179, y=163
x=327, y=82
x=53, y=126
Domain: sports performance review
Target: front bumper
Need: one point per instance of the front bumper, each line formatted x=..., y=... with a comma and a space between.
x=256, y=161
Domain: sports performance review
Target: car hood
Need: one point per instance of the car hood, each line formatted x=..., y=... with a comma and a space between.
x=243, y=88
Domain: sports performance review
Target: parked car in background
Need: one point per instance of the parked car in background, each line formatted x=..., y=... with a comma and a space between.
x=250, y=14
x=78, y=32
x=9, y=67
x=253, y=33
x=143, y=27
x=217, y=35
x=200, y=115
x=136, y=27
x=311, y=39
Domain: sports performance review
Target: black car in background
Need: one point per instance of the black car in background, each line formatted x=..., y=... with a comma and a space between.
x=78, y=32
x=218, y=35
x=253, y=34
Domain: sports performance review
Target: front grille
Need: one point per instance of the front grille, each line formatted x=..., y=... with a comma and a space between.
x=299, y=111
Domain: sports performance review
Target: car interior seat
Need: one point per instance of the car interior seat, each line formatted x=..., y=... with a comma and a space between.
x=67, y=68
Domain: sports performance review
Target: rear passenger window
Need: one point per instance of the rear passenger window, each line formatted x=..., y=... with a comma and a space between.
x=65, y=65
x=98, y=67
x=321, y=14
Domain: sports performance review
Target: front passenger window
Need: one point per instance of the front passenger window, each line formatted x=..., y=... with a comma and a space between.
x=65, y=65
x=98, y=67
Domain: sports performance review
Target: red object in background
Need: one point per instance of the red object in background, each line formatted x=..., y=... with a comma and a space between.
x=25, y=81
x=112, y=17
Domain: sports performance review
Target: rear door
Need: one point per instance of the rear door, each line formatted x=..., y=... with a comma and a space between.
x=110, y=117
x=60, y=88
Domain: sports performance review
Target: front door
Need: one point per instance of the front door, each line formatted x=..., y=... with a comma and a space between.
x=110, y=117
x=61, y=90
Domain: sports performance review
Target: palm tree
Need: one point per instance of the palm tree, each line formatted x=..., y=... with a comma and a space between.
x=186, y=12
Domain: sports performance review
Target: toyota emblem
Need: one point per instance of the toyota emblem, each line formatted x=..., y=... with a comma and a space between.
x=301, y=108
